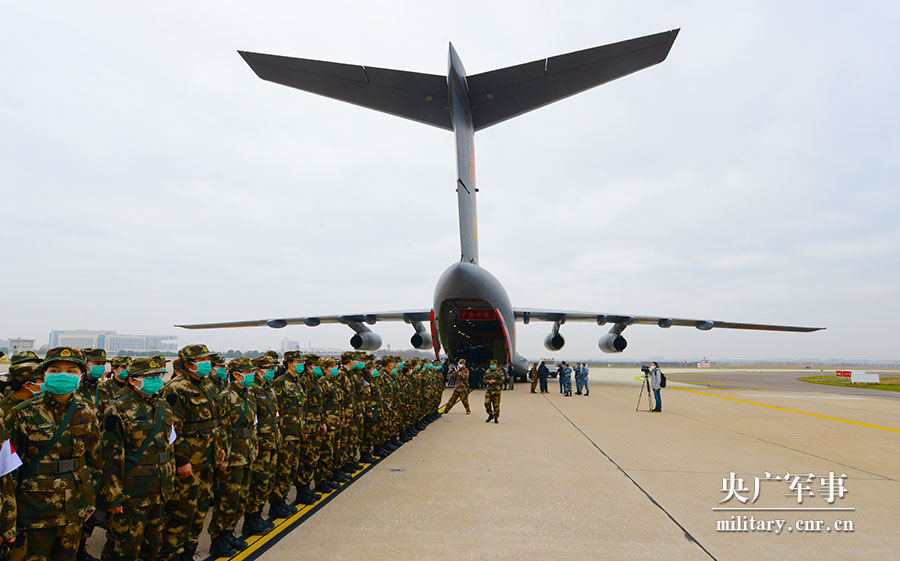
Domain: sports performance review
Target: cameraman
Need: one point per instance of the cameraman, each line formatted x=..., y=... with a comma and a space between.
x=655, y=377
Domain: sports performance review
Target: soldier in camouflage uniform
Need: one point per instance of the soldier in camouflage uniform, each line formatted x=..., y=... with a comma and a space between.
x=95, y=369
x=7, y=498
x=219, y=375
x=54, y=492
x=370, y=400
x=199, y=447
x=290, y=396
x=26, y=380
x=333, y=415
x=269, y=442
x=493, y=378
x=114, y=384
x=460, y=381
x=316, y=454
x=233, y=477
x=138, y=464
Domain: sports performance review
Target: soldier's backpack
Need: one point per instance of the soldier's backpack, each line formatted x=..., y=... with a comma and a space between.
x=662, y=379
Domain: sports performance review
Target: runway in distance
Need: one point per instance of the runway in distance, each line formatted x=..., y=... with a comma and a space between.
x=472, y=316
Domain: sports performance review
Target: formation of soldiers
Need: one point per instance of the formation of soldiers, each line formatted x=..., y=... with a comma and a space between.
x=148, y=458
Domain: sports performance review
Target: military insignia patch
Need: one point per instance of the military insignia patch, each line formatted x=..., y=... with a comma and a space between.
x=65, y=352
x=205, y=350
x=152, y=364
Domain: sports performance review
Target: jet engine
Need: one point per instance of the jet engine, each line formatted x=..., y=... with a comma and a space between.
x=612, y=343
x=421, y=340
x=366, y=341
x=554, y=341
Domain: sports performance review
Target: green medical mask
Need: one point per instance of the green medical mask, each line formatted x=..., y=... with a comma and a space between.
x=401, y=365
x=96, y=372
x=317, y=370
x=40, y=390
x=358, y=365
x=493, y=367
x=122, y=374
x=247, y=380
x=375, y=373
x=268, y=374
x=299, y=368
x=150, y=385
x=204, y=367
x=393, y=371
x=61, y=383
x=334, y=371
x=221, y=373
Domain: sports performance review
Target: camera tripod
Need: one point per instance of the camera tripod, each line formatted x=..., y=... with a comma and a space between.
x=645, y=384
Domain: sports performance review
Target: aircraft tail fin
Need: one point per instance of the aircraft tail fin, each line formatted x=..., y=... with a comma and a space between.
x=505, y=93
x=411, y=95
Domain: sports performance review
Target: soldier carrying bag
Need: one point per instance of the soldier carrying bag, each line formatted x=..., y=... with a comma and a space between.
x=30, y=467
x=133, y=459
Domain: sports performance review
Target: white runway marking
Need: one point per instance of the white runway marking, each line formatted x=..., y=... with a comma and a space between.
x=794, y=396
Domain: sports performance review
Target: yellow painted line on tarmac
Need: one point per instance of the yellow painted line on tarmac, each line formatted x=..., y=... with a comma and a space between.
x=807, y=413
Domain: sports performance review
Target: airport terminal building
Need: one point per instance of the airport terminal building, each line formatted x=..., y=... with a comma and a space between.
x=112, y=342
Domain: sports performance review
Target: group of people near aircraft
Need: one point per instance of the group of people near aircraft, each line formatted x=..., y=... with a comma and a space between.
x=119, y=443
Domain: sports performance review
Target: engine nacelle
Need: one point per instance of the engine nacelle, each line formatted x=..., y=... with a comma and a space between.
x=612, y=343
x=421, y=341
x=554, y=341
x=367, y=341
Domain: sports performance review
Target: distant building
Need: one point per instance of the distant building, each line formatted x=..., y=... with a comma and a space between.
x=111, y=341
x=289, y=345
x=19, y=345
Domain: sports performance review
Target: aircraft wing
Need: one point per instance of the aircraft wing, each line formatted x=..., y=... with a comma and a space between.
x=411, y=95
x=407, y=316
x=527, y=315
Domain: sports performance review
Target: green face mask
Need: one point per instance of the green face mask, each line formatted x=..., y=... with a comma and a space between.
x=247, y=380
x=96, y=372
x=358, y=365
x=375, y=373
x=150, y=385
x=122, y=374
x=334, y=371
x=317, y=370
x=204, y=367
x=40, y=389
x=493, y=367
x=299, y=368
x=221, y=373
x=268, y=374
x=61, y=383
x=393, y=371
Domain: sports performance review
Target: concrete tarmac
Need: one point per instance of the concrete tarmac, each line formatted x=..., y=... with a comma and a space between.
x=590, y=477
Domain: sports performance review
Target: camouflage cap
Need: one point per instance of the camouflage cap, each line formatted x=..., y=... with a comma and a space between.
x=217, y=359
x=271, y=354
x=57, y=354
x=290, y=356
x=143, y=366
x=264, y=360
x=328, y=361
x=240, y=365
x=94, y=355
x=120, y=361
x=160, y=359
x=312, y=360
x=23, y=372
x=194, y=352
x=348, y=357
x=24, y=356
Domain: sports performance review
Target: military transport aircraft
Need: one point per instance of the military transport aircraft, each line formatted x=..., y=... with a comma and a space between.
x=472, y=316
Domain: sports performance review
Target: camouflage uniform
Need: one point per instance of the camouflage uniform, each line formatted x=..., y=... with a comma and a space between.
x=332, y=415
x=290, y=395
x=565, y=379
x=201, y=443
x=18, y=375
x=140, y=485
x=493, y=378
x=88, y=387
x=7, y=498
x=269, y=437
x=114, y=384
x=55, y=493
x=313, y=453
x=233, y=477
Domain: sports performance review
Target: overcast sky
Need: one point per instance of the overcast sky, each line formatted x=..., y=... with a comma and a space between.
x=149, y=178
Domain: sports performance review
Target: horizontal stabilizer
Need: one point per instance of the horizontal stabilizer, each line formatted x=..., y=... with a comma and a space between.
x=502, y=94
x=420, y=97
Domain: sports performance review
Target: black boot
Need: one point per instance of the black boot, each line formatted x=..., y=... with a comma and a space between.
x=278, y=508
x=379, y=451
x=496, y=418
x=221, y=547
x=83, y=555
x=349, y=468
x=405, y=437
x=488, y=420
x=303, y=497
x=395, y=442
x=366, y=457
x=254, y=524
x=324, y=486
x=313, y=498
x=340, y=477
x=187, y=554
x=238, y=543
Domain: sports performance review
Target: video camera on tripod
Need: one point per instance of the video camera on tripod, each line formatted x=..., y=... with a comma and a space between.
x=645, y=383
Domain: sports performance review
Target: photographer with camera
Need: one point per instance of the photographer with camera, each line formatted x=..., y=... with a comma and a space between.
x=656, y=384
